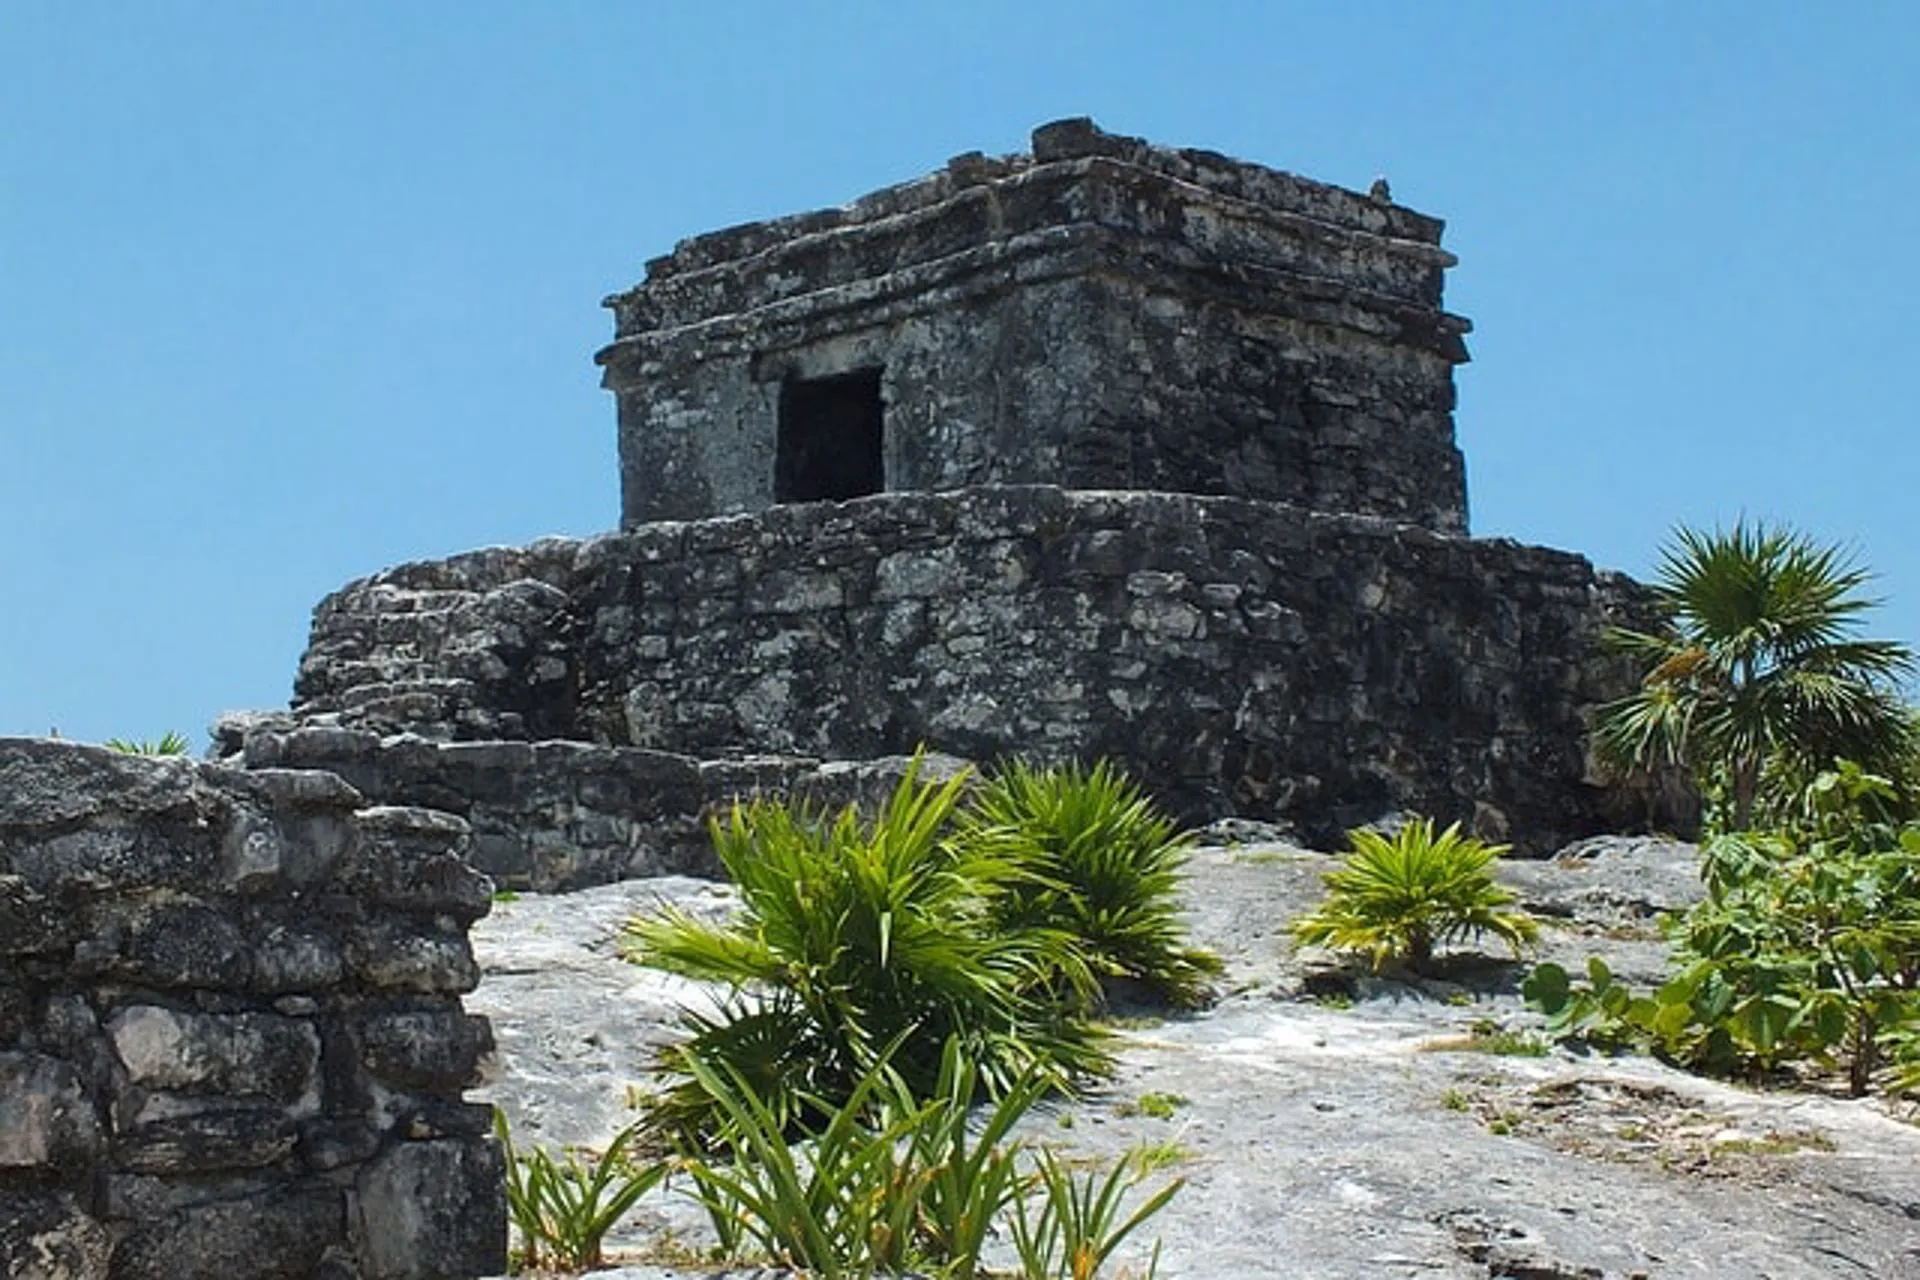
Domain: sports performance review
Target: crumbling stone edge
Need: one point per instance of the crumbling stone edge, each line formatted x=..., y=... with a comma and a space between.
x=231, y=1034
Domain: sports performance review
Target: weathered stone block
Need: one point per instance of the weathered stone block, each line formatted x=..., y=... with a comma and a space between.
x=47, y=1119
x=246, y=1138
x=414, y=858
x=403, y=954
x=172, y=940
x=46, y=1235
x=330, y=1142
x=29, y=922
x=288, y=957
x=244, y=1054
x=432, y=1210
x=277, y=1235
x=436, y=1049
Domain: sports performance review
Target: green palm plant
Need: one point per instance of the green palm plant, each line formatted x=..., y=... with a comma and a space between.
x=851, y=933
x=1104, y=864
x=843, y=1202
x=564, y=1208
x=1398, y=897
x=1757, y=672
x=1074, y=1223
x=891, y=1181
x=169, y=744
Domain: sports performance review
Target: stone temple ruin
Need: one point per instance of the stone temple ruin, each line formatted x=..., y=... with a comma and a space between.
x=1106, y=450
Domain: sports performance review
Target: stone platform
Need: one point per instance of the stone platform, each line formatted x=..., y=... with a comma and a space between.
x=1239, y=657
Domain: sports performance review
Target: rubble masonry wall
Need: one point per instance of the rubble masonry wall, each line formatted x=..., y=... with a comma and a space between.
x=231, y=1034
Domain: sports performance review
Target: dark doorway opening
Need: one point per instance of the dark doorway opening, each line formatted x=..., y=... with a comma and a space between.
x=830, y=439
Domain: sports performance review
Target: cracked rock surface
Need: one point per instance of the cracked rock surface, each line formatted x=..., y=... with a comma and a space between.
x=1330, y=1123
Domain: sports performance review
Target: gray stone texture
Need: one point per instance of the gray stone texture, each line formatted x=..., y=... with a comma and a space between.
x=1241, y=657
x=1101, y=314
x=225, y=997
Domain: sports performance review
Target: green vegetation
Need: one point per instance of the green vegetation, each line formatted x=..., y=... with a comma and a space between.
x=1756, y=680
x=892, y=1181
x=168, y=744
x=1397, y=898
x=1773, y=1143
x=993, y=923
x=1488, y=1036
x=1151, y=1157
x=852, y=933
x=1155, y=1105
x=1806, y=949
x=849, y=1201
x=885, y=975
x=564, y=1208
x=1078, y=1224
x=1102, y=864
x=1454, y=1100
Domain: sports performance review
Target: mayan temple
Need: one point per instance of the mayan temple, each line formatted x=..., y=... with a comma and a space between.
x=1108, y=449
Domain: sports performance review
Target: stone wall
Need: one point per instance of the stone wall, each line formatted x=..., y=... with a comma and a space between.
x=1239, y=657
x=231, y=1035
x=1100, y=314
x=554, y=815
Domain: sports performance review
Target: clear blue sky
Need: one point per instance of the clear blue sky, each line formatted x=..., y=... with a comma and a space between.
x=293, y=292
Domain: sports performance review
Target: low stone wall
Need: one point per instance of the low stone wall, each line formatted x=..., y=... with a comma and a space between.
x=231, y=1036
x=1239, y=657
x=553, y=816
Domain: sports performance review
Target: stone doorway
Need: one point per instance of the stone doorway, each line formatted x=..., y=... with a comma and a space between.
x=831, y=438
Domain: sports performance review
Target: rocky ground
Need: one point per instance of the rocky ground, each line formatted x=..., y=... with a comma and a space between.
x=1329, y=1123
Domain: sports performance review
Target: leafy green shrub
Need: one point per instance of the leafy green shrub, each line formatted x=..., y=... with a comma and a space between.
x=851, y=933
x=975, y=1172
x=564, y=1208
x=169, y=744
x=1399, y=897
x=1805, y=949
x=1103, y=864
x=845, y=1203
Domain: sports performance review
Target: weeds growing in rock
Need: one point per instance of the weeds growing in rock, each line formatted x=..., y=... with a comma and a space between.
x=1156, y=1105
x=168, y=744
x=1489, y=1037
x=1074, y=1221
x=1398, y=897
x=564, y=1208
x=1151, y=1157
x=893, y=1181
